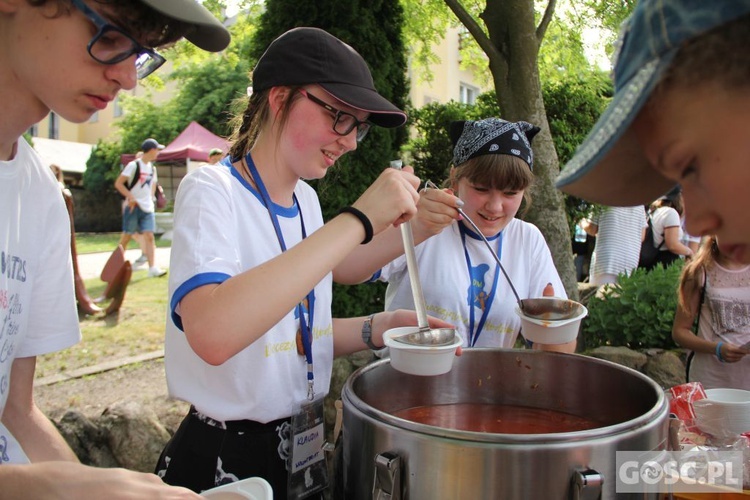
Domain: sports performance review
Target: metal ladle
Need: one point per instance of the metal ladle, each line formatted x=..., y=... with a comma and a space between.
x=546, y=308
x=424, y=335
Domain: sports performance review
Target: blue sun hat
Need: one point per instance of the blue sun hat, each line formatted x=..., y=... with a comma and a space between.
x=610, y=166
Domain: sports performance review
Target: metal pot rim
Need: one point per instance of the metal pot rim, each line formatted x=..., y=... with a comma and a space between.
x=649, y=418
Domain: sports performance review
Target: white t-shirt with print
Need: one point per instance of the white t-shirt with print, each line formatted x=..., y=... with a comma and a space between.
x=221, y=229
x=37, y=298
x=142, y=189
x=724, y=316
x=447, y=285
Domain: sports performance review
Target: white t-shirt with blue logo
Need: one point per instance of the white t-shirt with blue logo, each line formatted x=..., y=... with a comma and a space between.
x=450, y=291
x=222, y=229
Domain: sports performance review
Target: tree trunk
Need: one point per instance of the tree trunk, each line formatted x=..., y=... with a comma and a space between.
x=514, y=67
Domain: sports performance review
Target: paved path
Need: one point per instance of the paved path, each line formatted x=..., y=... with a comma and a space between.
x=90, y=265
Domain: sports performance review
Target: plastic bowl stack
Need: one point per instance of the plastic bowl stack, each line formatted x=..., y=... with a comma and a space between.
x=420, y=359
x=724, y=412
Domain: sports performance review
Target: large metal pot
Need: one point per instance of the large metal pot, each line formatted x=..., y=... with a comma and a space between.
x=387, y=457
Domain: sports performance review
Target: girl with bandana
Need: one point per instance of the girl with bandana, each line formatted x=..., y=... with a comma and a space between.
x=491, y=172
x=715, y=291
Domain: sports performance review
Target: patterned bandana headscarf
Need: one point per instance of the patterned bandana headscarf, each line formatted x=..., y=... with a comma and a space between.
x=492, y=136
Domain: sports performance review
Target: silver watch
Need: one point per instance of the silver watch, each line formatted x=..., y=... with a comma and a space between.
x=367, y=333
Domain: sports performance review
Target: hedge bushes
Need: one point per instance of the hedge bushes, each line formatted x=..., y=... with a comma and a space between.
x=636, y=312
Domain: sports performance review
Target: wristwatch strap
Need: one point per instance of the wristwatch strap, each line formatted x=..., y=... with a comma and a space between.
x=367, y=333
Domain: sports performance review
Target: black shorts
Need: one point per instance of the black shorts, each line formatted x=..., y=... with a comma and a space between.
x=205, y=453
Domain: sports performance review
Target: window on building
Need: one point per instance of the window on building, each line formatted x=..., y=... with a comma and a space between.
x=54, y=126
x=464, y=38
x=34, y=130
x=468, y=94
x=117, y=109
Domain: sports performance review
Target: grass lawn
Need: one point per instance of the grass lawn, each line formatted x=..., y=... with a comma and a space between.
x=137, y=328
x=106, y=242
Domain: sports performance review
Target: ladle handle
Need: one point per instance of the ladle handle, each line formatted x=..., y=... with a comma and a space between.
x=411, y=265
x=416, y=285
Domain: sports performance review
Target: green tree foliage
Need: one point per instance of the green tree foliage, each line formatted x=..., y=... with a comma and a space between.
x=608, y=15
x=373, y=28
x=562, y=55
x=100, y=174
x=573, y=107
x=145, y=119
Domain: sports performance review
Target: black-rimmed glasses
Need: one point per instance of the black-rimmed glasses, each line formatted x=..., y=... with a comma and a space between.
x=112, y=45
x=343, y=122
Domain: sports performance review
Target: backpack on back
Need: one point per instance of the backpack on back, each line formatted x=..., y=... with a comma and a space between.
x=136, y=175
x=649, y=251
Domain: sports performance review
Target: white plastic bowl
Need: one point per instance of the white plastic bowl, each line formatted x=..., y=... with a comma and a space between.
x=729, y=397
x=544, y=331
x=723, y=412
x=251, y=488
x=420, y=359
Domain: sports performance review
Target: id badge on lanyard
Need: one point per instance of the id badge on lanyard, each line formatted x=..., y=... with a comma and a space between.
x=308, y=468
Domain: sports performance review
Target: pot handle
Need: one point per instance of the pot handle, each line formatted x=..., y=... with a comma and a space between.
x=586, y=485
x=387, y=484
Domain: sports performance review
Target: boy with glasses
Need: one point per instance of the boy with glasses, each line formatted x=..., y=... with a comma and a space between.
x=71, y=57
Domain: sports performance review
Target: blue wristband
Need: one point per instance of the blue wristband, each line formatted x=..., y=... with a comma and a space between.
x=718, y=351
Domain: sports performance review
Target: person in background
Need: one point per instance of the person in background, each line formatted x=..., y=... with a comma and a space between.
x=678, y=116
x=582, y=245
x=715, y=289
x=665, y=214
x=137, y=184
x=70, y=57
x=619, y=232
x=142, y=259
x=491, y=172
x=214, y=155
x=250, y=337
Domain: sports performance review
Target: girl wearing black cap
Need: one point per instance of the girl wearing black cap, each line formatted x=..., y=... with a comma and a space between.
x=491, y=173
x=250, y=338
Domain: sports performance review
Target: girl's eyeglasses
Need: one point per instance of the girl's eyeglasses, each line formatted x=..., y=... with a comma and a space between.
x=112, y=45
x=343, y=122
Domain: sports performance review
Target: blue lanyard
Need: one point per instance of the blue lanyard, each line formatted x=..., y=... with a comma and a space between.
x=474, y=335
x=308, y=304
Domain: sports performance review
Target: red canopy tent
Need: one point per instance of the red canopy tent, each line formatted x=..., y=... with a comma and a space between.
x=193, y=144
